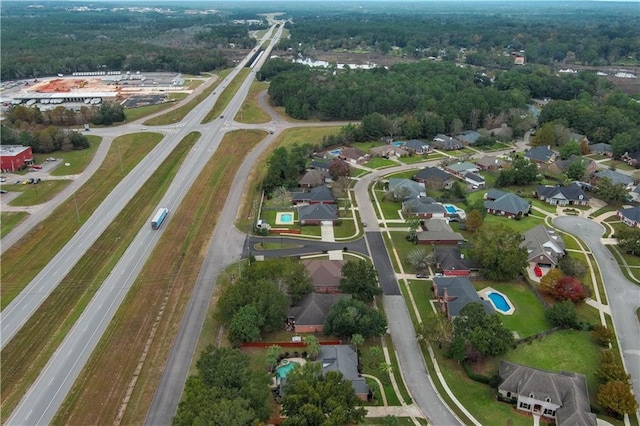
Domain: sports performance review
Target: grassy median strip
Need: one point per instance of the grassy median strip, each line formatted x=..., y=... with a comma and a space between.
x=26, y=354
x=22, y=262
x=152, y=311
x=227, y=94
x=250, y=111
x=178, y=114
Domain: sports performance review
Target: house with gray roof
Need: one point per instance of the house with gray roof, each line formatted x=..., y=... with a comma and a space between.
x=446, y=143
x=540, y=154
x=561, y=396
x=461, y=168
x=402, y=189
x=434, y=178
x=318, y=195
x=468, y=137
x=474, y=180
x=311, y=312
x=602, y=149
x=387, y=151
x=571, y=195
x=438, y=231
x=417, y=146
x=423, y=207
x=316, y=214
x=454, y=293
x=501, y=203
x=562, y=166
x=312, y=178
x=616, y=178
x=321, y=164
x=630, y=216
x=545, y=246
x=577, y=137
x=344, y=359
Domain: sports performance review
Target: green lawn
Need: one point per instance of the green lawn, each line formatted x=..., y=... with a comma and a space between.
x=389, y=208
x=33, y=195
x=379, y=163
x=618, y=165
x=409, y=174
x=420, y=158
x=528, y=317
x=9, y=220
x=78, y=160
x=521, y=225
x=366, y=146
x=250, y=111
x=346, y=229
x=497, y=146
x=403, y=247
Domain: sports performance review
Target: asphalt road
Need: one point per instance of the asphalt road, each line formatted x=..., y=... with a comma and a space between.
x=382, y=263
x=623, y=296
x=305, y=247
x=45, y=396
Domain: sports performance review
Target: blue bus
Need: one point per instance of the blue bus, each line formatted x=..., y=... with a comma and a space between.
x=157, y=220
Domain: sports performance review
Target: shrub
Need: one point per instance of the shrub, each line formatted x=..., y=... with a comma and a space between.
x=602, y=335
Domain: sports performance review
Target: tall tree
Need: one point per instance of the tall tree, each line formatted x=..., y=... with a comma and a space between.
x=617, y=397
x=498, y=251
x=420, y=259
x=314, y=398
x=629, y=240
x=610, y=192
x=245, y=326
x=474, y=221
x=483, y=333
x=360, y=279
x=312, y=346
x=349, y=316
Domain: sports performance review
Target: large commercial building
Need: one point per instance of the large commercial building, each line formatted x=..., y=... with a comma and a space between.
x=15, y=157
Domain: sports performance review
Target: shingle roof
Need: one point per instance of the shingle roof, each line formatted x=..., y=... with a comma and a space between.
x=541, y=240
x=324, y=273
x=632, y=213
x=318, y=194
x=423, y=205
x=601, y=148
x=616, y=178
x=445, y=141
x=433, y=172
x=572, y=192
x=313, y=177
x=417, y=145
x=474, y=177
x=406, y=187
x=569, y=390
x=491, y=161
x=317, y=212
x=461, y=167
x=460, y=291
x=313, y=308
x=469, y=136
x=508, y=202
x=343, y=358
x=540, y=153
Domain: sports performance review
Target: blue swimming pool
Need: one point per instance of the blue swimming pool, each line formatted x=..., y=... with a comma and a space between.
x=499, y=301
x=450, y=209
x=335, y=152
x=398, y=143
x=286, y=218
x=284, y=369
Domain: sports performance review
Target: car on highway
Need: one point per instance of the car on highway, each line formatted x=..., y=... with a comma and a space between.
x=222, y=116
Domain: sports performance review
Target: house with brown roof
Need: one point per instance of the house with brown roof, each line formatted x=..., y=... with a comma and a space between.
x=354, y=156
x=561, y=396
x=325, y=274
x=310, y=313
x=438, y=231
x=490, y=162
x=312, y=178
x=387, y=151
x=545, y=246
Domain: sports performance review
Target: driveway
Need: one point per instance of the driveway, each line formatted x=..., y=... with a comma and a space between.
x=623, y=296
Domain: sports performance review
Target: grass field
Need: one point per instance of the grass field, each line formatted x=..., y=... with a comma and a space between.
x=250, y=111
x=157, y=301
x=177, y=114
x=26, y=354
x=25, y=259
x=78, y=160
x=227, y=94
x=9, y=220
x=379, y=163
x=32, y=195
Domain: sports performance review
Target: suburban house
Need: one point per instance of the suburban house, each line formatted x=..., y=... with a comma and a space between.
x=389, y=151
x=318, y=195
x=317, y=214
x=15, y=157
x=561, y=396
x=503, y=131
x=540, y=154
x=423, y=207
x=406, y=188
x=434, y=178
x=454, y=293
x=630, y=216
x=490, y=162
x=324, y=274
x=631, y=158
x=310, y=313
x=545, y=246
x=438, y=231
x=312, y=178
x=474, y=180
x=461, y=168
x=616, y=178
x=417, y=147
x=561, y=166
x=452, y=262
x=320, y=164
x=354, y=156
x=501, y=203
x=602, y=149
x=468, y=137
x=571, y=195
x=343, y=358
x=577, y=137
x=446, y=143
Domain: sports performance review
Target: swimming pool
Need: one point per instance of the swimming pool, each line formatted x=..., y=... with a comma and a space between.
x=450, y=209
x=285, y=368
x=499, y=302
x=286, y=218
x=335, y=152
x=398, y=143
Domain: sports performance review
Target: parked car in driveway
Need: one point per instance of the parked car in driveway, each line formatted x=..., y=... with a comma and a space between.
x=36, y=166
x=422, y=276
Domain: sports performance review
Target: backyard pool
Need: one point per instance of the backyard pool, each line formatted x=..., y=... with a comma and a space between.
x=285, y=368
x=450, y=209
x=335, y=152
x=455, y=211
x=284, y=218
x=398, y=143
x=500, y=302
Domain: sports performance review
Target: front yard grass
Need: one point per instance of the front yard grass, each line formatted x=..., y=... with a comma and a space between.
x=380, y=163
x=403, y=247
x=521, y=225
x=366, y=146
x=413, y=159
x=390, y=209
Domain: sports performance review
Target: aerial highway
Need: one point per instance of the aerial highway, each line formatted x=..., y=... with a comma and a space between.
x=44, y=397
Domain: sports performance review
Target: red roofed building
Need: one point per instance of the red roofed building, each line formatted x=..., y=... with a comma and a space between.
x=15, y=157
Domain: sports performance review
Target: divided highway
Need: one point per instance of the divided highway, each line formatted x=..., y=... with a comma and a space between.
x=44, y=397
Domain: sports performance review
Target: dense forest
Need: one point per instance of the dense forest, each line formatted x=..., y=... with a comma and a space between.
x=64, y=37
